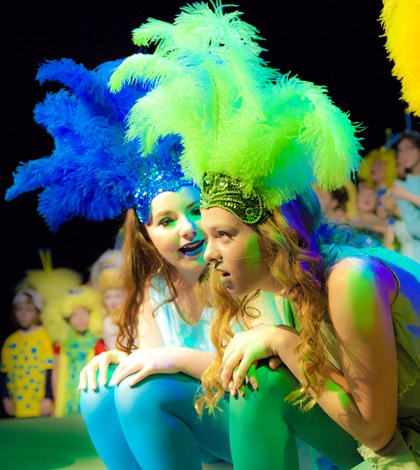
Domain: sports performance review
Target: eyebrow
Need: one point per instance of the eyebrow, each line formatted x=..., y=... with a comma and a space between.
x=164, y=212
x=161, y=214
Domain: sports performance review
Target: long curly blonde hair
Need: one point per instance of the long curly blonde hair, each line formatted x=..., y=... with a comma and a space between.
x=300, y=251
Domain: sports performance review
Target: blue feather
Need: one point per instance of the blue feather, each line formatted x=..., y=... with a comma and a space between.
x=93, y=171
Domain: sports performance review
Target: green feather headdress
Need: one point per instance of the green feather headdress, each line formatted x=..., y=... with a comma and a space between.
x=273, y=133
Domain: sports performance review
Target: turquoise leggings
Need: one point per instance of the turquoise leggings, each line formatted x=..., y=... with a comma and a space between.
x=154, y=425
x=264, y=428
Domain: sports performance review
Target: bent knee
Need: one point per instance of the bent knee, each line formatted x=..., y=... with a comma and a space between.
x=277, y=383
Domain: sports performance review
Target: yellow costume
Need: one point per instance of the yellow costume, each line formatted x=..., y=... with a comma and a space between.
x=26, y=359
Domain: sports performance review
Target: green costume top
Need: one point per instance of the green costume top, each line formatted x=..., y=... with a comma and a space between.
x=404, y=449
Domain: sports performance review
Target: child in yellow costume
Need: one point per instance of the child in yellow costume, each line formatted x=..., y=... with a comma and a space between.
x=26, y=361
x=74, y=323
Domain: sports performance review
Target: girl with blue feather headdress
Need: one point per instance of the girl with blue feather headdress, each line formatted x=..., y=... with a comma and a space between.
x=163, y=344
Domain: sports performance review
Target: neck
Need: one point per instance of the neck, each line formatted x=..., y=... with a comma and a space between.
x=186, y=279
x=189, y=307
x=366, y=215
x=30, y=329
x=270, y=284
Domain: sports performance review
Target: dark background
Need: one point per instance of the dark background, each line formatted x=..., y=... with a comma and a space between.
x=329, y=42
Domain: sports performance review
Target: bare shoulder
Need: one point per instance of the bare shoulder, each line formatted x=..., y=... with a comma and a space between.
x=363, y=268
x=356, y=279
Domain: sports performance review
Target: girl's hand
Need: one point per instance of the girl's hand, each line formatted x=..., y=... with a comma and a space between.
x=144, y=362
x=100, y=362
x=242, y=355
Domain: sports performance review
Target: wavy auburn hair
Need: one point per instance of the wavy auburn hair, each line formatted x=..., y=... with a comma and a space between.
x=300, y=251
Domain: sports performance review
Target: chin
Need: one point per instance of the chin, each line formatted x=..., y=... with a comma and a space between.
x=237, y=291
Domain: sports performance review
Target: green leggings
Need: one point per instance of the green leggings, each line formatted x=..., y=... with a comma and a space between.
x=264, y=427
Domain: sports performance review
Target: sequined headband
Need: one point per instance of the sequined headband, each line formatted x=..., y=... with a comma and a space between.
x=229, y=193
x=159, y=173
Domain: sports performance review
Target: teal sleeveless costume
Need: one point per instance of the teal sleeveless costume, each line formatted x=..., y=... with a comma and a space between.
x=154, y=425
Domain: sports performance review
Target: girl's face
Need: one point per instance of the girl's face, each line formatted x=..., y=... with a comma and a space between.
x=366, y=199
x=26, y=314
x=79, y=319
x=408, y=154
x=175, y=228
x=233, y=248
x=377, y=171
x=326, y=200
x=113, y=298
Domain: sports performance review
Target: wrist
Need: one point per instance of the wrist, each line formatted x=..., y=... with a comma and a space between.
x=285, y=340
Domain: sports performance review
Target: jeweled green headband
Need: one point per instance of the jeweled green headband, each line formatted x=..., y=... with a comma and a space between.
x=227, y=192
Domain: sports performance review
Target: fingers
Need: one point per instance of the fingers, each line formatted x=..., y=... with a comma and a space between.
x=82, y=379
x=87, y=377
x=117, y=376
x=274, y=362
x=126, y=369
x=245, y=373
x=139, y=376
x=252, y=376
x=103, y=372
x=228, y=365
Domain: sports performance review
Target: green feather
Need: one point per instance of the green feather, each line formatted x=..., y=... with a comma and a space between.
x=234, y=113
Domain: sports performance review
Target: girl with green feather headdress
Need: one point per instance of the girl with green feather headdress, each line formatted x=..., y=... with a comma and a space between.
x=255, y=141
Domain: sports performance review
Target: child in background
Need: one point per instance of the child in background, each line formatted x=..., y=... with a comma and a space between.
x=367, y=218
x=26, y=361
x=113, y=297
x=379, y=171
x=74, y=323
x=105, y=277
x=107, y=258
x=333, y=203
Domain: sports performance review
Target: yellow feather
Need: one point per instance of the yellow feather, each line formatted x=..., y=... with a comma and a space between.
x=401, y=23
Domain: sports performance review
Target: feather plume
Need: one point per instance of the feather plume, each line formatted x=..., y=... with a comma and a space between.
x=400, y=20
x=93, y=171
x=234, y=113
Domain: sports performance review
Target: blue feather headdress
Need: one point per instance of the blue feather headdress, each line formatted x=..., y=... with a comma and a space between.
x=93, y=172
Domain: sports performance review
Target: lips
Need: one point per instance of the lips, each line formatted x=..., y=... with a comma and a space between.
x=223, y=273
x=192, y=248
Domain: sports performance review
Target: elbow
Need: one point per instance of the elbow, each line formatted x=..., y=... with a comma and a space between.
x=379, y=439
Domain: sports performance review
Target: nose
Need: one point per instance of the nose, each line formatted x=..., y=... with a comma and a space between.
x=188, y=229
x=210, y=254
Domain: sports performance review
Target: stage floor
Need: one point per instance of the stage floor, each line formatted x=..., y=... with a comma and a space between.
x=52, y=443
x=46, y=444
x=63, y=443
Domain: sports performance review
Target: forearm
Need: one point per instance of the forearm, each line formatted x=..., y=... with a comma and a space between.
x=413, y=198
x=191, y=361
x=336, y=399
